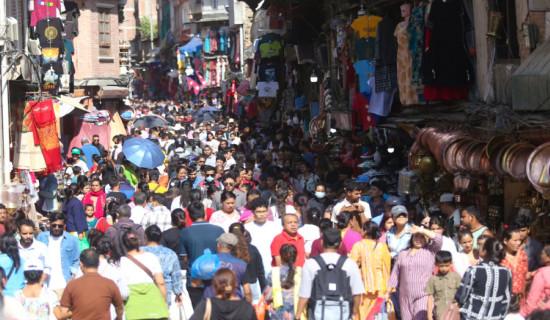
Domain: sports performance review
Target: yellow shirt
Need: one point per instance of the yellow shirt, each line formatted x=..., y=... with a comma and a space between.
x=160, y=189
x=366, y=26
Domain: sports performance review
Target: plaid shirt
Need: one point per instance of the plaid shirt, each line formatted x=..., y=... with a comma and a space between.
x=160, y=216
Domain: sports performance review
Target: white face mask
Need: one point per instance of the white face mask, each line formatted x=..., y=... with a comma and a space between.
x=320, y=195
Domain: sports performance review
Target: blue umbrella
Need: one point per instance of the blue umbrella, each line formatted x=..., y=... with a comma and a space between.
x=210, y=109
x=143, y=153
x=192, y=45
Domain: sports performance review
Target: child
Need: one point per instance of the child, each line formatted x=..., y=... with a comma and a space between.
x=90, y=219
x=442, y=287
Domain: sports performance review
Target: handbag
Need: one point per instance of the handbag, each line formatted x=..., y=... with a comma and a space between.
x=208, y=309
x=451, y=312
x=260, y=308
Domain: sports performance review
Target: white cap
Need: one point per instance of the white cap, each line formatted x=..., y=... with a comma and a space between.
x=447, y=197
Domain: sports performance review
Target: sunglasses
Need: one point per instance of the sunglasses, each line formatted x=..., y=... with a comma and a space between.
x=230, y=184
x=96, y=140
x=56, y=226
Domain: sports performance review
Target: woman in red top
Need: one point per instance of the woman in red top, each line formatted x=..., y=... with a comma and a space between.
x=516, y=261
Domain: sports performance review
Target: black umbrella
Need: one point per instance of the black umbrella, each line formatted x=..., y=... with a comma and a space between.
x=150, y=122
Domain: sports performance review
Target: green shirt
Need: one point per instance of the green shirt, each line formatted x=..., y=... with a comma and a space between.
x=443, y=289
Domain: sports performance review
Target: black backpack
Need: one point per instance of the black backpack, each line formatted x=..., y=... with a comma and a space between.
x=331, y=296
x=120, y=230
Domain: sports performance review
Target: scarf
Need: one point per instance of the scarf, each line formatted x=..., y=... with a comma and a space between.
x=99, y=205
x=277, y=289
x=45, y=134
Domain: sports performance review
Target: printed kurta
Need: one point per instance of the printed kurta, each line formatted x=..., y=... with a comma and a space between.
x=407, y=94
x=374, y=261
x=519, y=274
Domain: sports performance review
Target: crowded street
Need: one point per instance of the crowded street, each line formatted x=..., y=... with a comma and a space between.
x=275, y=160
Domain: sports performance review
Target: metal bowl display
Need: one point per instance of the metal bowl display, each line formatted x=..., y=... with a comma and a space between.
x=452, y=156
x=537, y=169
x=495, y=142
x=516, y=161
x=495, y=157
x=475, y=155
x=439, y=144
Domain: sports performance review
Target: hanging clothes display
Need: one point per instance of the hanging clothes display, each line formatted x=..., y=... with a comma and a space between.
x=407, y=94
x=46, y=134
x=43, y=9
x=386, y=57
x=447, y=69
x=415, y=32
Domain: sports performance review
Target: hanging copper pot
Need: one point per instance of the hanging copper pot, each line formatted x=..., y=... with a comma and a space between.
x=504, y=160
x=427, y=136
x=495, y=142
x=537, y=169
x=438, y=145
x=451, y=154
x=496, y=158
x=516, y=162
x=474, y=157
x=427, y=165
x=484, y=163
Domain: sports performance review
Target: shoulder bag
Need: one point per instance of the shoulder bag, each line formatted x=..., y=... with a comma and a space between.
x=142, y=267
x=208, y=309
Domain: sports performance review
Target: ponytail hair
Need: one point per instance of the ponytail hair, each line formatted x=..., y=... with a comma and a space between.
x=241, y=249
x=288, y=255
x=343, y=219
x=224, y=283
x=494, y=250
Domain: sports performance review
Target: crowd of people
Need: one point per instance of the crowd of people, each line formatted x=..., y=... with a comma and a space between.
x=242, y=222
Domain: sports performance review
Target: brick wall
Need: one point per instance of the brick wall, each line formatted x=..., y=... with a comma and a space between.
x=86, y=58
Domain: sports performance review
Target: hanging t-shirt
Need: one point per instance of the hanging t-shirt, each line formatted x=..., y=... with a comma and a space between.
x=276, y=18
x=52, y=71
x=50, y=33
x=270, y=49
x=380, y=102
x=267, y=89
x=44, y=9
x=366, y=26
x=69, y=50
x=71, y=22
x=365, y=70
x=267, y=72
x=365, y=48
x=50, y=55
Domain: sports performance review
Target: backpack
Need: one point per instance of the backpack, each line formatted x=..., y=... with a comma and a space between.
x=331, y=296
x=120, y=230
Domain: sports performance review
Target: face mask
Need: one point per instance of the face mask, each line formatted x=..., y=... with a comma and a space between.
x=209, y=179
x=320, y=195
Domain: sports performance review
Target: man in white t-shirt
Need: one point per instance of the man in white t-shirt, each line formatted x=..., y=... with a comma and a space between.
x=262, y=231
x=141, y=208
x=332, y=238
x=352, y=202
x=33, y=250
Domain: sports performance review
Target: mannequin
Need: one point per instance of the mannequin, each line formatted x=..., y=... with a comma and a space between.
x=407, y=93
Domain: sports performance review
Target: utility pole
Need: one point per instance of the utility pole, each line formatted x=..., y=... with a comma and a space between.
x=151, y=24
x=5, y=149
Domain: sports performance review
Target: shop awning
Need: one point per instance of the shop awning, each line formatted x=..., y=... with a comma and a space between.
x=531, y=81
x=69, y=104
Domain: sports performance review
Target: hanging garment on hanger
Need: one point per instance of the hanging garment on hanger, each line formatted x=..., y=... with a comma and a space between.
x=415, y=31
x=72, y=13
x=407, y=94
x=50, y=33
x=366, y=25
x=45, y=122
x=365, y=70
x=386, y=56
x=43, y=9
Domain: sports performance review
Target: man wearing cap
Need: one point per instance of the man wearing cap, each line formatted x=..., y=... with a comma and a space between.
x=391, y=202
x=332, y=239
x=352, y=202
x=90, y=296
x=447, y=206
x=364, y=181
x=470, y=218
x=33, y=250
x=289, y=235
x=88, y=150
x=226, y=243
x=397, y=237
x=76, y=154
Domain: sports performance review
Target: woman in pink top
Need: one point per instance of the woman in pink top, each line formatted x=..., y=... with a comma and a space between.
x=539, y=294
x=345, y=225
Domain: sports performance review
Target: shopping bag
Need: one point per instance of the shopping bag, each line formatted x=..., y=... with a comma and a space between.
x=451, y=312
x=205, y=266
x=260, y=308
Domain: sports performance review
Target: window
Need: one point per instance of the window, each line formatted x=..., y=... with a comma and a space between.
x=104, y=33
x=214, y=4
